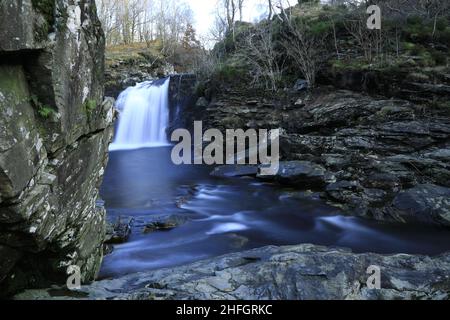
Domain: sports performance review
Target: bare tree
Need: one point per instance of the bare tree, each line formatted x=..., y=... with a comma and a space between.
x=241, y=9
x=128, y=21
x=260, y=52
x=363, y=36
x=226, y=14
x=304, y=47
x=270, y=9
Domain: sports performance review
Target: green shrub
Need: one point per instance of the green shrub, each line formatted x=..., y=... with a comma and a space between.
x=230, y=73
x=443, y=36
x=439, y=57
x=45, y=111
x=414, y=20
x=320, y=27
x=441, y=24
x=408, y=46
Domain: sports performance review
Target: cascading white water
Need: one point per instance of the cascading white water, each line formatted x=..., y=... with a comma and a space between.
x=144, y=116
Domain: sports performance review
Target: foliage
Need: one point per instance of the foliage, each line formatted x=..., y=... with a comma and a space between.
x=90, y=105
x=230, y=73
x=43, y=110
x=259, y=51
x=126, y=22
x=300, y=40
x=46, y=8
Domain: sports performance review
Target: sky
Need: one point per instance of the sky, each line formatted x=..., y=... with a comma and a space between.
x=204, y=11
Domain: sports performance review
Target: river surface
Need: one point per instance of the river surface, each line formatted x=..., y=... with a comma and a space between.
x=228, y=215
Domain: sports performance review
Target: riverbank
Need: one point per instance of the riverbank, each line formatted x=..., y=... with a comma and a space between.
x=303, y=272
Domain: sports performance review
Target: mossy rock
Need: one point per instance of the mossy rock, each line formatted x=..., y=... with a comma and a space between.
x=12, y=85
x=90, y=105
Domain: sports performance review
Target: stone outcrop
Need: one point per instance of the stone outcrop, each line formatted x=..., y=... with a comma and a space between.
x=54, y=136
x=298, y=272
x=386, y=159
x=181, y=100
x=131, y=66
x=409, y=82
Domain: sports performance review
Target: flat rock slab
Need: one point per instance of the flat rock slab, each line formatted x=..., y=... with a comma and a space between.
x=231, y=171
x=293, y=272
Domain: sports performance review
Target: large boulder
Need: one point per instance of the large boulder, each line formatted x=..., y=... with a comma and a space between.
x=54, y=137
x=301, y=174
x=425, y=203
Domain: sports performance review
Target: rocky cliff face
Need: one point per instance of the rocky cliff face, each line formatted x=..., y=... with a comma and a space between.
x=386, y=159
x=55, y=130
x=181, y=101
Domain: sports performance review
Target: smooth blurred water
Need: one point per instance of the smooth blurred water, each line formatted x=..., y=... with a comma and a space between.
x=228, y=215
x=144, y=116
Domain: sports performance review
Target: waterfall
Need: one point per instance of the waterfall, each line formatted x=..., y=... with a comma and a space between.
x=144, y=116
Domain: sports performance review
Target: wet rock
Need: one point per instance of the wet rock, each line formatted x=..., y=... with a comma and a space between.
x=425, y=203
x=166, y=223
x=119, y=232
x=303, y=272
x=201, y=102
x=229, y=171
x=299, y=102
x=302, y=174
x=301, y=85
x=440, y=89
x=252, y=102
x=237, y=241
x=439, y=154
x=384, y=145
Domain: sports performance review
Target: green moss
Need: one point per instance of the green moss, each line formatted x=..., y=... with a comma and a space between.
x=13, y=84
x=90, y=105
